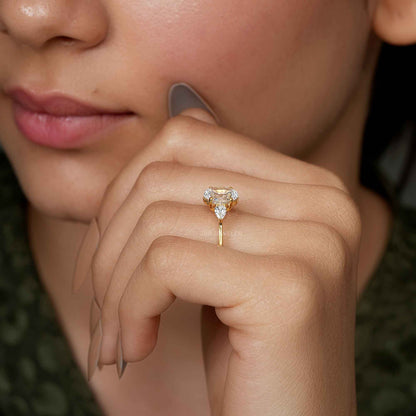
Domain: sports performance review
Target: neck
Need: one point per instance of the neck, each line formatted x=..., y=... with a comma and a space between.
x=340, y=148
x=340, y=152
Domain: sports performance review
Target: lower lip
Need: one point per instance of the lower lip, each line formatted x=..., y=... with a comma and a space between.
x=64, y=132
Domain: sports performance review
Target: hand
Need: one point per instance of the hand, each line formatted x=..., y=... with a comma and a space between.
x=280, y=294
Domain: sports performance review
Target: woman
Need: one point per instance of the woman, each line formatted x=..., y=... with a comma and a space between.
x=288, y=84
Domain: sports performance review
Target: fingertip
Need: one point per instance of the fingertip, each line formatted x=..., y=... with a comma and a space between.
x=182, y=96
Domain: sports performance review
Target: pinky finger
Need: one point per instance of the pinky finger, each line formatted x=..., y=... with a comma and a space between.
x=195, y=271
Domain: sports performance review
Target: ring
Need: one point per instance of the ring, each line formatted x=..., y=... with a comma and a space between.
x=220, y=199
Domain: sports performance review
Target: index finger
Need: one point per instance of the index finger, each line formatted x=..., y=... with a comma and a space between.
x=190, y=141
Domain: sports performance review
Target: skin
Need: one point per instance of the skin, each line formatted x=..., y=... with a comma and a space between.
x=290, y=82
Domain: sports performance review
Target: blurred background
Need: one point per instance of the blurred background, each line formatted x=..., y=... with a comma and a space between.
x=392, y=164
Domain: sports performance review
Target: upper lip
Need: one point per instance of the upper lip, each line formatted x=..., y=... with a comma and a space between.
x=57, y=104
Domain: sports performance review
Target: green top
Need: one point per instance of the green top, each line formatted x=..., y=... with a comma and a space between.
x=39, y=376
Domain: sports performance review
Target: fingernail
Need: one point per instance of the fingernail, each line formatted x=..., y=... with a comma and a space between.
x=121, y=364
x=95, y=314
x=86, y=251
x=94, y=350
x=182, y=96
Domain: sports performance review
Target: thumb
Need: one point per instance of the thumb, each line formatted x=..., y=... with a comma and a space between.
x=184, y=100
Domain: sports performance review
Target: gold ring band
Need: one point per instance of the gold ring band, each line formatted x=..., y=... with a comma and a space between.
x=220, y=199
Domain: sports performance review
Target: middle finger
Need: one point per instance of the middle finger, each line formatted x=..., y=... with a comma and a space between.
x=173, y=181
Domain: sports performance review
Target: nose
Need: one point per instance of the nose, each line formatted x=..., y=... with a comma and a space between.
x=40, y=22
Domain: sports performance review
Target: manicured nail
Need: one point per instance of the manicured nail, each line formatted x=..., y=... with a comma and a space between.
x=94, y=349
x=121, y=364
x=85, y=254
x=182, y=96
x=95, y=314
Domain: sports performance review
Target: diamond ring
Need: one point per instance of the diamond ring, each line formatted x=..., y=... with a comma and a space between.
x=220, y=199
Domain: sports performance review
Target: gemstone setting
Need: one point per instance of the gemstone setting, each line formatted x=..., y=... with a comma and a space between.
x=220, y=199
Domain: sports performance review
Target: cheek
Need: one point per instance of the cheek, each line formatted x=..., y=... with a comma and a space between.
x=275, y=70
x=262, y=66
x=202, y=40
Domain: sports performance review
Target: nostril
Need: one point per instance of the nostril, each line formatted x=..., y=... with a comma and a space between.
x=40, y=23
x=3, y=29
x=66, y=40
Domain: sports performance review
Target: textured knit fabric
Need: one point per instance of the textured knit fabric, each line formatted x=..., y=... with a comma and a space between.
x=38, y=374
x=386, y=328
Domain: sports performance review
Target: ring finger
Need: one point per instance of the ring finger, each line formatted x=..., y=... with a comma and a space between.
x=243, y=231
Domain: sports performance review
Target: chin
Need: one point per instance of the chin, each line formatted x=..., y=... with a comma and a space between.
x=73, y=205
x=64, y=186
x=63, y=197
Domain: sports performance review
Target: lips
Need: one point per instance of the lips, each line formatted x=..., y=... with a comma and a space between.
x=56, y=104
x=61, y=121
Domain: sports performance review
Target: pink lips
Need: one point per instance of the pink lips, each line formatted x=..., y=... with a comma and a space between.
x=59, y=121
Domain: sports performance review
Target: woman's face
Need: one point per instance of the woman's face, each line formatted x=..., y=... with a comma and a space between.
x=277, y=71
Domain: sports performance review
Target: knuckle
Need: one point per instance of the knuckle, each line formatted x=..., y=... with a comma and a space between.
x=161, y=258
x=334, y=180
x=349, y=215
x=157, y=214
x=175, y=130
x=335, y=249
x=155, y=211
x=301, y=295
x=149, y=178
